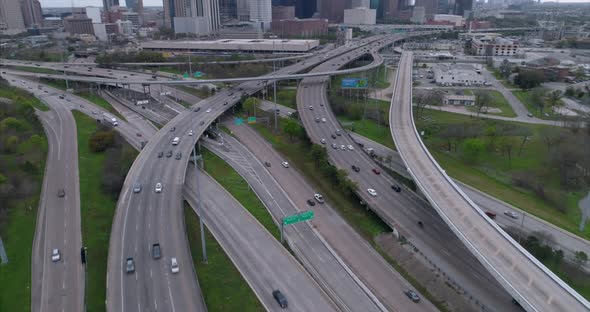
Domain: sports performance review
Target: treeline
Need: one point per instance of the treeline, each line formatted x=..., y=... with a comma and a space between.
x=118, y=158
x=120, y=57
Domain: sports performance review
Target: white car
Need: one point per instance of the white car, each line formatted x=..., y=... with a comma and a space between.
x=55, y=255
x=334, y=146
x=285, y=164
x=323, y=119
x=511, y=214
x=190, y=133
x=372, y=192
x=174, y=266
x=323, y=141
x=350, y=147
x=319, y=198
x=158, y=187
x=208, y=110
x=310, y=107
x=343, y=147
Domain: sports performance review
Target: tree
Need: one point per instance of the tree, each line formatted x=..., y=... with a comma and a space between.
x=472, y=150
x=491, y=133
x=506, y=69
x=570, y=91
x=10, y=144
x=101, y=140
x=251, y=104
x=554, y=98
x=528, y=79
x=482, y=99
x=537, y=97
x=506, y=146
x=580, y=258
x=318, y=153
x=551, y=136
x=292, y=128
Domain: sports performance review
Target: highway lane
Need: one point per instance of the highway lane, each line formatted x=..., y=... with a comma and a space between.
x=265, y=264
x=57, y=286
x=137, y=212
x=402, y=210
x=526, y=279
x=354, y=251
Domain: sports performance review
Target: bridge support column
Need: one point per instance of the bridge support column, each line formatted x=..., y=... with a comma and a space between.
x=196, y=158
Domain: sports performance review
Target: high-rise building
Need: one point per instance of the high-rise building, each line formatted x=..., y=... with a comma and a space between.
x=360, y=4
x=430, y=7
x=243, y=10
x=462, y=6
x=135, y=6
x=32, y=14
x=261, y=13
x=228, y=10
x=198, y=17
x=108, y=4
x=94, y=14
x=283, y=13
x=333, y=10
x=78, y=25
x=11, y=17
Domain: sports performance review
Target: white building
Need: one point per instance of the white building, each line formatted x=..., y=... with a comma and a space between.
x=360, y=16
x=94, y=14
x=125, y=27
x=261, y=13
x=231, y=45
x=133, y=17
x=243, y=10
x=494, y=47
x=202, y=18
x=457, y=75
x=100, y=31
x=418, y=15
x=11, y=17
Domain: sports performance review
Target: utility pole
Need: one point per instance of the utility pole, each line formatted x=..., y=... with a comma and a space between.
x=275, y=97
x=199, y=204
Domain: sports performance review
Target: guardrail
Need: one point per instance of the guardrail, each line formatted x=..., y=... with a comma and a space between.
x=474, y=206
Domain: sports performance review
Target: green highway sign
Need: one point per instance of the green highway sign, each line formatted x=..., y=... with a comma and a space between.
x=251, y=120
x=299, y=217
x=185, y=75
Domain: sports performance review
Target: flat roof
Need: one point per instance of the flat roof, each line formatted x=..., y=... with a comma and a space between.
x=233, y=45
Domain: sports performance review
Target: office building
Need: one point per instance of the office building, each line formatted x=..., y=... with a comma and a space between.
x=100, y=31
x=418, y=15
x=261, y=13
x=199, y=17
x=125, y=27
x=332, y=10
x=108, y=5
x=283, y=13
x=360, y=4
x=305, y=8
x=78, y=25
x=243, y=10
x=307, y=27
x=228, y=11
x=53, y=22
x=462, y=7
x=93, y=13
x=430, y=7
x=11, y=17
x=494, y=46
x=360, y=16
x=32, y=14
x=135, y=6
x=133, y=17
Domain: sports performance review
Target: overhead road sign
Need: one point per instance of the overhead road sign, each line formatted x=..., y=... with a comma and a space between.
x=296, y=218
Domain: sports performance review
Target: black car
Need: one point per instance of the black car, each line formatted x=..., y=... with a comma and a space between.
x=266, y=163
x=160, y=154
x=196, y=109
x=172, y=129
x=396, y=188
x=280, y=298
x=61, y=193
x=178, y=156
x=169, y=154
x=225, y=103
x=333, y=136
x=355, y=168
x=201, y=123
x=156, y=251
x=311, y=202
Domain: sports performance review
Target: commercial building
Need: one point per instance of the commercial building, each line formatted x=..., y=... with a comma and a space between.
x=133, y=17
x=135, y=6
x=200, y=17
x=458, y=99
x=457, y=75
x=462, y=7
x=108, y=5
x=261, y=13
x=360, y=16
x=448, y=19
x=243, y=10
x=332, y=10
x=78, y=25
x=283, y=13
x=429, y=7
x=360, y=4
x=232, y=45
x=494, y=46
x=32, y=14
x=228, y=11
x=11, y=17
x=94, y=14
x=53, y=22
x=300, y=27
x=100, y=31
x=125, y=27
x=418, y=15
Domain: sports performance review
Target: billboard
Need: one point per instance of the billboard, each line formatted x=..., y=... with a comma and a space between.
x=354, y=83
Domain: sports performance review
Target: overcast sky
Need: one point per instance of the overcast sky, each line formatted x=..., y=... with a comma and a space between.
x=98, y=3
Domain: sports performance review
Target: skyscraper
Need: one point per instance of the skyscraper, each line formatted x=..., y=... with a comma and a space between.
x=196, y=16
x=11, y=17
x=261, y=13
x=333, y=10
x=135, y=5
x=108, y=4
x=228, y=10
x=461, y=6
x=32, y=14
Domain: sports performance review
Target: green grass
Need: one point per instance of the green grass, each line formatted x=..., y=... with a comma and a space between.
x=375, y=77
x=498, y=101
x=37, y=70
x=525, y=97
x=97, y=211
x=379, y=133
x=22, y=96
x=285, y=97
x=98, y=100
x=499, y=77
x=225, y=175
x=222, y=285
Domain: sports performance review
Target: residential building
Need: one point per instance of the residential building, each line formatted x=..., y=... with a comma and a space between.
x=11, y=17
x=307, y=27
x=78, y=25
x=283, y=13
x=494, y=46
x=32, y=14
x=360, y=16
x=458, y=99
x=261, y=13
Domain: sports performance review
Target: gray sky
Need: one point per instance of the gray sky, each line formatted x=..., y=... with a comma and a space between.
x=98, y=3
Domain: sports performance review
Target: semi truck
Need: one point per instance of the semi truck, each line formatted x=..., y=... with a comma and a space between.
x=110, y=119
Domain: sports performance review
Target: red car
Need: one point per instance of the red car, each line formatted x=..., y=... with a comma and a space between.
x=490, y=214
x=376, y=171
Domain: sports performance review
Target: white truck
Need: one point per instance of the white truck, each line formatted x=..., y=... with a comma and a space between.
x=110, y=119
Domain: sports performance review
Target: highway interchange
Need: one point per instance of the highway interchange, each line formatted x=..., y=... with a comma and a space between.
x=147, y=217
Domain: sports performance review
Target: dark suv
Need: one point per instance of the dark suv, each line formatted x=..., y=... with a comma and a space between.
x=280, y=298
x=156, y=251
x=355, y=168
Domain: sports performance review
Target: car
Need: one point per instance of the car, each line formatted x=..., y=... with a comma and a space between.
x=224, y=103
x=333, y=136
x=319, y=198
x=129, y=265
x=338, y=133
x=156, y=251
x=196, y=109
x=323, y=119
x=491, y=214
x=158, y=187
x=208, y=110
x=280, y=298
x=372, y=192
x=266, y=163
x=343, y=147
x=355, y=168
x=310, y=107
x=529, y=115
x=61, y=97
x=350, y=147
x=311, y=202
x=55, y=255
x=334, y=146
x=178, y=156
x=174, y=265
x=136, y=188
x=396, y=188
x=138, y=134
x=201, y=123
x=190, y=133
x=285, y=164
x=160, y=154
x=172, y=129
x=169, y=154
x=412, y=295
x=61, y=193
x=323, y=141
x=376, y=171
x=175, y=141
x=321, y=103
x=511, y=214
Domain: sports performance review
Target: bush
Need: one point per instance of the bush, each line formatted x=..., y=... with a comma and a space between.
x=100, y=141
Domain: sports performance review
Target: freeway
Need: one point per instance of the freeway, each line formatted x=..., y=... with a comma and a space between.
x=262, y=260
x=401, y=211
x=354, y=251
x=57, y=285
x=524, y=277
x=140, y=220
